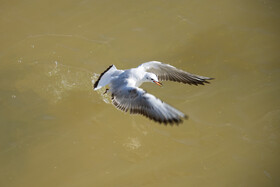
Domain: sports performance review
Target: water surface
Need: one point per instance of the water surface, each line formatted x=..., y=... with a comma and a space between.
x=56, y=131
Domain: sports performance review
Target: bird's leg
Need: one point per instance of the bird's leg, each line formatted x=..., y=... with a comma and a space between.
x=105, y=91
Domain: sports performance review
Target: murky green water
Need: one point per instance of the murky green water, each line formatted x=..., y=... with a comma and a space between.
x=56, y=131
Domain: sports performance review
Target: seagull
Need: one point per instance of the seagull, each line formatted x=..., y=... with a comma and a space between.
x=128, y=97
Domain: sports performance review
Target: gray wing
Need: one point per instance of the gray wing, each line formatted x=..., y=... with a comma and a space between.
x=137, y=101
x=166, y=72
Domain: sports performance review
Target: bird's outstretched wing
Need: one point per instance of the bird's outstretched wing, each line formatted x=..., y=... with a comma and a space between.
x=137, y=101
x=167, y=72
x=106, y=77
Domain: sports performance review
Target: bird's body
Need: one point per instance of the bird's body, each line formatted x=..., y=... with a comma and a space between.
x=127, y=96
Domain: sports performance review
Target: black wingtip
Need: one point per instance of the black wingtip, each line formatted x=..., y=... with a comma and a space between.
x=205, y=80
x=171, y=121
x=96, y=82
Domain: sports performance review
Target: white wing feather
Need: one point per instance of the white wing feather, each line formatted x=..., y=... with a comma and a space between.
x=137, y=101
x=106, y=77
x=166, y=72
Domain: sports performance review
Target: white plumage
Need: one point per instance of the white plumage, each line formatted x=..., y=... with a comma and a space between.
x=127, y=96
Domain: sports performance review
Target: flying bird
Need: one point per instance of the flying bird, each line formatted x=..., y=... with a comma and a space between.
x=128, y=97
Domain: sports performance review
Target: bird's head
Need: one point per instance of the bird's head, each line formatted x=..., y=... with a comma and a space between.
x=150, y=77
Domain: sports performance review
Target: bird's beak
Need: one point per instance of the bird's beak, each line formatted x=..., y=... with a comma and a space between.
x=158, y=83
